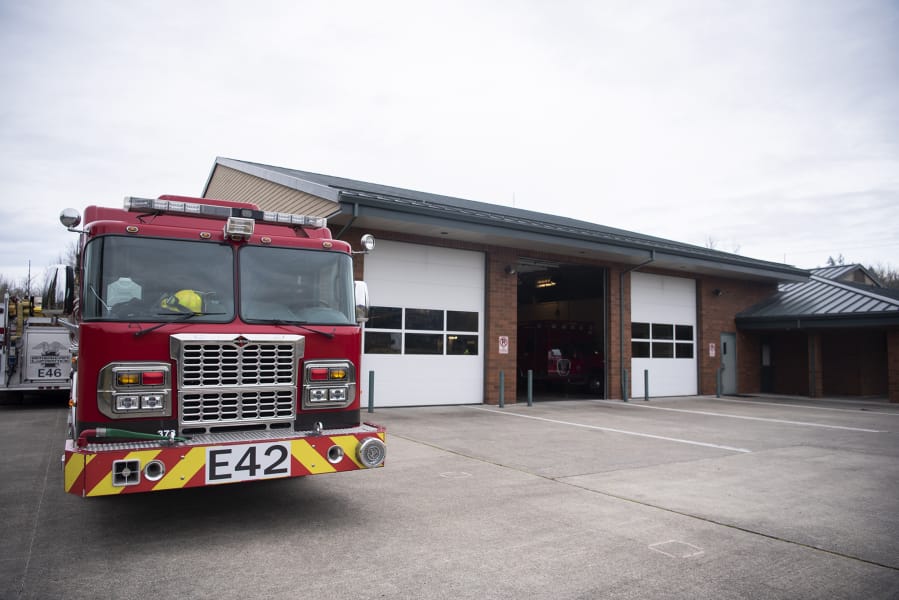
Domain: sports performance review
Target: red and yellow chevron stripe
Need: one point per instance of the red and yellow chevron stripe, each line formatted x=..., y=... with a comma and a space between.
x=91, y=472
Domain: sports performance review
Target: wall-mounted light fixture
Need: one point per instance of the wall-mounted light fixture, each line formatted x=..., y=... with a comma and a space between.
x=718, y=292
x=510, y=270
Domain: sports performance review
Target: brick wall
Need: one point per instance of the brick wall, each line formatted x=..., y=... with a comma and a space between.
x=502, y=320
x=716, y=316
x=615, y=360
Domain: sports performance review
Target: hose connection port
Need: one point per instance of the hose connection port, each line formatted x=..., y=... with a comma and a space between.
x=154, y=470
x=371, y=452
x=335, y=454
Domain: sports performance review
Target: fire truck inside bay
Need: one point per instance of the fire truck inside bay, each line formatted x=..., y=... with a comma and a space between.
x=216, y=343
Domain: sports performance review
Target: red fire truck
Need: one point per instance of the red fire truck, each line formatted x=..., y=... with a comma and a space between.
x=216, y=343
x=561, y=353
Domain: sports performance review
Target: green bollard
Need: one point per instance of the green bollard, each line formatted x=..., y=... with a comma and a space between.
x=530, y=387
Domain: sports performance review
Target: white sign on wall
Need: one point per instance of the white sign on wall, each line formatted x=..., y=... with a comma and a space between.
x=503, y=344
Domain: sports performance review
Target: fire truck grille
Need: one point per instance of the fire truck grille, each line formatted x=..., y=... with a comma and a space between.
x=213, y=365
x=236, y=383
x=236, y=406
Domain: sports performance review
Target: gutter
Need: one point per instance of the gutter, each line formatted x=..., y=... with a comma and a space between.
x=652, y=257
x=352, y=220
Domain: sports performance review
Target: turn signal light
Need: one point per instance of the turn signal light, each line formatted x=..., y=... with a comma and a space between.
x=140, y=378
x=128, y=378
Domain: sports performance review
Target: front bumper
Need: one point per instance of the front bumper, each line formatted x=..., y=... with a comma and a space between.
x=102, y=469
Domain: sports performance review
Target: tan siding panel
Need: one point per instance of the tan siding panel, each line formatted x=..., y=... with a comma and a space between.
x=231, y=184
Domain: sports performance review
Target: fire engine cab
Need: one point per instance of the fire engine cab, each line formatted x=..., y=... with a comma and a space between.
x=216, y=343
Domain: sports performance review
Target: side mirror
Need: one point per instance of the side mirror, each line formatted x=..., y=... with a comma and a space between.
x=360, y=291
x=59, y=290
x=69, y=218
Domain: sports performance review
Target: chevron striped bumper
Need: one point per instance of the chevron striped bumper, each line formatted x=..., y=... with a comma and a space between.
x=102, y=469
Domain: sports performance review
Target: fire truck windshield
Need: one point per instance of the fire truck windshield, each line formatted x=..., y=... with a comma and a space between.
x=295, y=285
x=150, y=279
x=162, y=280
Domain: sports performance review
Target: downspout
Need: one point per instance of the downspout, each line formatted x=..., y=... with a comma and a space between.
x=352, y=220
x=652, y=257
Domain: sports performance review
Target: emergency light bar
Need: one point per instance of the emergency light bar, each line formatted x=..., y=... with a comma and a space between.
x=151, y=205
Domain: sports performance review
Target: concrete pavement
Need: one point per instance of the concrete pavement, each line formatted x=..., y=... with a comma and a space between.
x=675, y=498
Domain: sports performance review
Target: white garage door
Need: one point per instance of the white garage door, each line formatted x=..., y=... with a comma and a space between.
x=424, y=337
x=663, y=335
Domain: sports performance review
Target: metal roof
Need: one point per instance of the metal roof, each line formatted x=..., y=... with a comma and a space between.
x=397, y=209
x=824, y=301
x=848, y=273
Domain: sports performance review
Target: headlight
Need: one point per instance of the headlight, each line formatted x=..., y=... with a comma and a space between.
x=135, y=390
x=328, y=384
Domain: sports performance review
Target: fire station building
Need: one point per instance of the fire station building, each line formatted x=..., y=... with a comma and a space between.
x=474, y=303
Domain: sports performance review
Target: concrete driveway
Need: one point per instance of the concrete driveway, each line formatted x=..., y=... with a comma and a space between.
x=675, y=498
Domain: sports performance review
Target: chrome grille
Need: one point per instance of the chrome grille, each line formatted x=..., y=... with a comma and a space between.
x=205, y=365
x=236, y=381
x=221, y=407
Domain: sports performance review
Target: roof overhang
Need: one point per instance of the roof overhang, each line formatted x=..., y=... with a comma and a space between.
x=364, y=205
x=807, y=322
x=546, y=237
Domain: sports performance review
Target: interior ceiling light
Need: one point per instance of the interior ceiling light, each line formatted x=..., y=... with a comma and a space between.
x=545, y=283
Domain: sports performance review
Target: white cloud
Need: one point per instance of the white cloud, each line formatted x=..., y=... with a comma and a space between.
x=767, y=125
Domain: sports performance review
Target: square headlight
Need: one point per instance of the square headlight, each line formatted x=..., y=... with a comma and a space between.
x=151, y=402
x=318, y=395
x=125, y=403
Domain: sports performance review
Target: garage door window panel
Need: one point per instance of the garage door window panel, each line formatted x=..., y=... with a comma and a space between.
x=662, y=331
x=461, y=345
x=383, y=342
x=662, y=350
x=385, y=317
x=683, y=351
x=421, y=331
x=661, y=340
x=461, y=320
x=424, y=343
x=424, y=319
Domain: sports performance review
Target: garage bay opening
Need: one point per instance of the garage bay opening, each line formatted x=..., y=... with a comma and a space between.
x=562, y=329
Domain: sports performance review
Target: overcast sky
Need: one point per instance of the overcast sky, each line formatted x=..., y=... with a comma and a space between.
x=770, y=127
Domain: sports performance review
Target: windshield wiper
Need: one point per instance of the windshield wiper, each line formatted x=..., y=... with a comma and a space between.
x=302, y=325
x=184, y=317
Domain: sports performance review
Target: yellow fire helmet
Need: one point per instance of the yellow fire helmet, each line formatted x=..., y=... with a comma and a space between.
x=183, y=301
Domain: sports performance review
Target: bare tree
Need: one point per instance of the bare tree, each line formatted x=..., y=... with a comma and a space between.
x=14, y=288
x=69, y=256
x=712, y=244
x=886, y=274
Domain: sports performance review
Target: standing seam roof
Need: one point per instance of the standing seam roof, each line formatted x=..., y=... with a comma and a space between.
x=821, y=296
x=479, y=212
